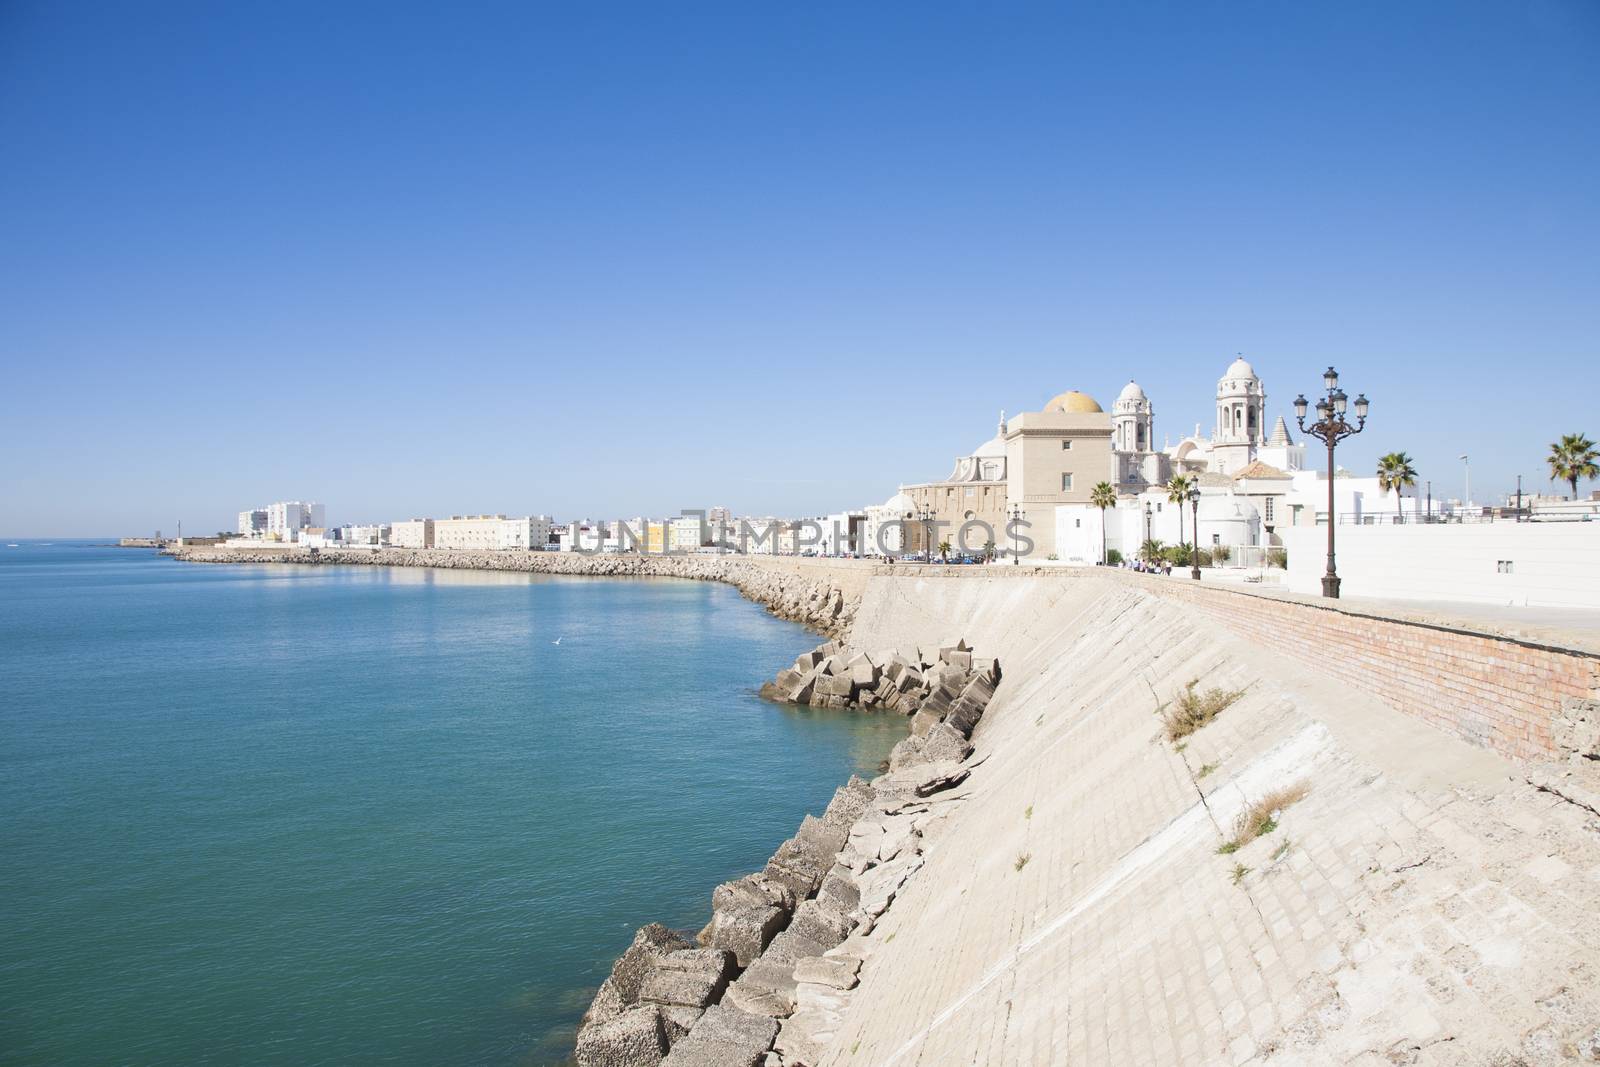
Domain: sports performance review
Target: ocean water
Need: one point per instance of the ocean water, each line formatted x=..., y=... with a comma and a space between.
x=285, y=815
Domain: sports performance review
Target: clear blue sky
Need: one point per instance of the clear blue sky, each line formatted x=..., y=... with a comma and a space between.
x=612, y=259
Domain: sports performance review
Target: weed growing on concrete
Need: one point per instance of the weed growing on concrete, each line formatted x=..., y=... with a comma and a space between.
x=1180, y=746
x=1282, y=850
x=1193, y=709
x=1207, y=769
x=1239, y=871
x=1029, y=813
x=1022, y=859
x=1227, y=847
x=1261, y=818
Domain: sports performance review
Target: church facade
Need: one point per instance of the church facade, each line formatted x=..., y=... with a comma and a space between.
x=1042, y=467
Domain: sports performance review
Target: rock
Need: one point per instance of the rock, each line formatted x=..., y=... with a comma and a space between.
x=880, y=885
x=821, y=921
x=897, y=787
x=960, y=659
x=922, y=722
x=946, y=744
x=771, y=691
x=636, y=1038
x=839, y=889
x=897, y=838
x=725, y=1037
x=840, y=973
x=766, y=988
x=691, y=978
x=753, y=890
x=849, y=802
x=906, y=753
x=650, y=944
x=607, y=1005
x=1575, y=729
x=822, y=839
x=864, y=673
x=679, y=1021
x=745, y=932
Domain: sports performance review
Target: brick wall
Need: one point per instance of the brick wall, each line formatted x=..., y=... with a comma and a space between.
x=1495, y=692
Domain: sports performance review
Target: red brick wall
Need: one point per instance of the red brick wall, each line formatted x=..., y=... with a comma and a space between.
x=1491, y=691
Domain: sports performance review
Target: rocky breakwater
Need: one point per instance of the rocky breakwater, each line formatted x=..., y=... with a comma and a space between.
x=805, y=595
x=766, y=981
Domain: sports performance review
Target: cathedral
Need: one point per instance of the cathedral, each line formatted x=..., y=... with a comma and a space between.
x=1040, y=462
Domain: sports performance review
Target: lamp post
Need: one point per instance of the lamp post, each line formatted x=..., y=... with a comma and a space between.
x=1194, y=529
x=925, y=514
x=1331, y=427
x=1146, y=523
x=1466, y=467
x=1016, y=517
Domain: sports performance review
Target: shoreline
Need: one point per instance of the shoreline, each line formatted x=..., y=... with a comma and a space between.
x=821, y=604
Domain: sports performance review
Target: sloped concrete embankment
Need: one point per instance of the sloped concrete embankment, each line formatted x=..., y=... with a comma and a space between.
x=1422, y=903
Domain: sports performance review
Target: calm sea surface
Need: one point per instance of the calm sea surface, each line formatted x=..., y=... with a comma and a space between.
x=284, y=815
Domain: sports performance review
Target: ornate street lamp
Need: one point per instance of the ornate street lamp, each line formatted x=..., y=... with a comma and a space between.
x=1331, y=427
x=1146, y=523
x=925, y=514
x=1194, y=529
x=1016, y=517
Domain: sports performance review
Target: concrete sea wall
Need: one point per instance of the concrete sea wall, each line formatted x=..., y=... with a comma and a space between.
x=1379, y=850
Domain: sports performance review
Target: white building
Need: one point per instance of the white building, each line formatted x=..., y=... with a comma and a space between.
x=491, y=533
x=253, y=523
x=287, y=518
x=412, y=533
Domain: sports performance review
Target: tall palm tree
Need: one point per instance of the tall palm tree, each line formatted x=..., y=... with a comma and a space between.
x=1177, y=493
x=1574, y=457
x=1396, y=472
x=1102, y=496
x=944, y=551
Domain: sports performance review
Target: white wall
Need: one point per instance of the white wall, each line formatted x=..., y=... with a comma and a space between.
x=1552, y=564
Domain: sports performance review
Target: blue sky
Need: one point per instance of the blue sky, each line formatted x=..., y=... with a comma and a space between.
x=613, y=259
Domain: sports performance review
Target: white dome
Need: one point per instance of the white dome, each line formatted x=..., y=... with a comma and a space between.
x=1240, y=369
x=1131, y=391
x=900, y=504
x=991, y=449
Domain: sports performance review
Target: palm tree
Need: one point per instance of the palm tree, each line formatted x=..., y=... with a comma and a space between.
x=944, y=551
x=1396, y=472
x=1574, y=457
x=1102, y=496
x=1177, y=493
x=1151, y=550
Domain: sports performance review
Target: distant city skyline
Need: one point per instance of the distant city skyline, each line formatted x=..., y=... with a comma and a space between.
x=415, y=261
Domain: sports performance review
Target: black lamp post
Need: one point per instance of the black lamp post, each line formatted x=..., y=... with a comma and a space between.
x=1016, y=517
x=1331, y=427
x=926, y=515
x=1146, y=523
x=1194, y=529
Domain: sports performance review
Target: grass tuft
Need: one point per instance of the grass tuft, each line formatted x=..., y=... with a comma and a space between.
x=1261, y=818
x=1207, y=769
x=1239, y=871
x=1022, y=859
x=1029, y=813
x=1193, y=709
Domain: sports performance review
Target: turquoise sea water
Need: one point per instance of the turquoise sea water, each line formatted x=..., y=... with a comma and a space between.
x=284, y=815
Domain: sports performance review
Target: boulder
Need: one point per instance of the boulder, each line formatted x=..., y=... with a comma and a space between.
x=923, y=722
x=907, y=752
x=637, y=1038
x=746, y=931
x=945, y=743
x=650, y=944
x=607, y=1005
x=864, y=673
x=725, y=1037
x=692, y=978
x=837, y=972
x=753, y=890
x=821, y=920
x=772, y=691
x=839, y=890
x=960, y=659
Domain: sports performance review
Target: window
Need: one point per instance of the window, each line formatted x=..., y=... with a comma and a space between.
x=1270, y=501
x=1077, y=524
x=1065, y=445
x=1504, y=566
x=1066, y=483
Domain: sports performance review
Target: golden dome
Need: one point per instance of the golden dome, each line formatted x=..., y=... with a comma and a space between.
x=1074, y=403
